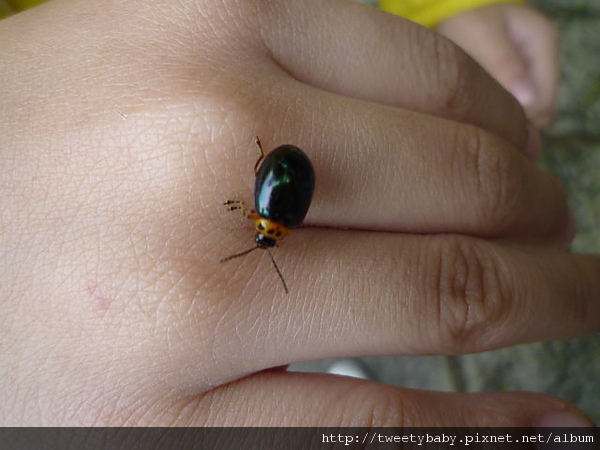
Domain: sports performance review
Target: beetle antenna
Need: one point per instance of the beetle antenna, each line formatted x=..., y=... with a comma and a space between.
x=278, y=272
x=237, y=255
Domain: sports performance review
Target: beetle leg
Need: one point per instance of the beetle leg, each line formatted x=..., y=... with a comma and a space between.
x=239, y=205
x=261, y=157
x=236, y=205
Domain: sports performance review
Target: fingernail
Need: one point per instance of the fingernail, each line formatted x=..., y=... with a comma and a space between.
x=524, y=92
x=570, y=430
x=564, y=419
x=534, y=142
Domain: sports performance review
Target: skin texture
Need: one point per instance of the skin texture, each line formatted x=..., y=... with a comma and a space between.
x=518, y=46
x=125, y=125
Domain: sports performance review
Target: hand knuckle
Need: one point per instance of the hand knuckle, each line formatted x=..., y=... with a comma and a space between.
x=500, y=184
x=472, y=294
x=451, y=79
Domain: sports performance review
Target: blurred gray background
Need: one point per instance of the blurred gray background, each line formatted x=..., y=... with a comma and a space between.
x=568, y=369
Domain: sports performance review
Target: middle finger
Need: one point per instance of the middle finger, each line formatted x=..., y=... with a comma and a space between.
x=384, y=168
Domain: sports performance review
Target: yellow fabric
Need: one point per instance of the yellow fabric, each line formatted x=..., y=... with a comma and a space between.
x=8, y=7
x=431, y=12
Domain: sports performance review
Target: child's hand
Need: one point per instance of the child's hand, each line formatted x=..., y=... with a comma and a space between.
x=125, y=125
x=518, y=46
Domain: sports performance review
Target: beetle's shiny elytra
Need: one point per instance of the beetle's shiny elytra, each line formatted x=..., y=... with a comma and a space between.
x=283, y=190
